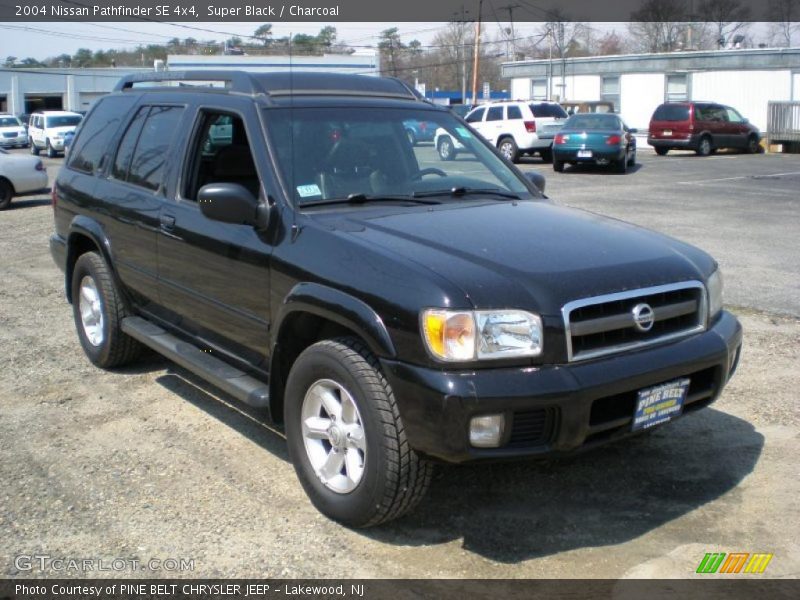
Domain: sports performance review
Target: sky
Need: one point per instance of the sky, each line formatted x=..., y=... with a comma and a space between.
x=43, y=40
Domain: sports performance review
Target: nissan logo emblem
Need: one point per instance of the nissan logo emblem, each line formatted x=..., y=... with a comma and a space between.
x=643, y=317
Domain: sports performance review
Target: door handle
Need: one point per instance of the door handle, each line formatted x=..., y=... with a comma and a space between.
x=167, y=223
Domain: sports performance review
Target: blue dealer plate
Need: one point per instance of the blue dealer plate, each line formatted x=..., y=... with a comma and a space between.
x=659, y=404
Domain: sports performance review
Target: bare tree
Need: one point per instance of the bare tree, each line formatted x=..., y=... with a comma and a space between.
x=726, y=18
x=784, y=16
x=659, y=26
x=610, y=43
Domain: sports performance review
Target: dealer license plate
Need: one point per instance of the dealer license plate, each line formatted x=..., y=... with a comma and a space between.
x=584, y=154
x=668, y=132
x=659, y=404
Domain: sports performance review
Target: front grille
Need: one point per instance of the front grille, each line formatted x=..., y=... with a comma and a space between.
x=606, y=324
x=532, y=427
x=13, y=134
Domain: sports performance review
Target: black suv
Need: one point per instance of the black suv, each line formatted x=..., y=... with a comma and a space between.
x=278, y=235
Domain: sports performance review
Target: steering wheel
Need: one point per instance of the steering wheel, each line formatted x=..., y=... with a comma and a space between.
x=429, y=171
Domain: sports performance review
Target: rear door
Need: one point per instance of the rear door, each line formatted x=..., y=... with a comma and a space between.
x=214, y=276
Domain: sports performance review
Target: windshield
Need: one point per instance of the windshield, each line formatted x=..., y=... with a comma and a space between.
x=9, y=122
x=341, y=152
x=64, y=121
x=592, y=121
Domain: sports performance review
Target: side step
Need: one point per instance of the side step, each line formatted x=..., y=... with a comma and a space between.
x=237, y=383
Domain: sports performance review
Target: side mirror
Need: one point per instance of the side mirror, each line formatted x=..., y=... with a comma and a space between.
x=633, y=130
x=745, y=120
x=537, y=179
x=229, y=203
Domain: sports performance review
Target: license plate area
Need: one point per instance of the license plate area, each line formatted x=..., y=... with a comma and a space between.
x=659, y=404
x=668, y=132
x=584, y=154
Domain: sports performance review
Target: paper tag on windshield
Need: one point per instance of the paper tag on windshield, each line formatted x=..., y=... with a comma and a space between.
x=464, y=132
x=306, y=191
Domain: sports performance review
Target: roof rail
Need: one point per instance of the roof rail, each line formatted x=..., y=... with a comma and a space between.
x=235, y=81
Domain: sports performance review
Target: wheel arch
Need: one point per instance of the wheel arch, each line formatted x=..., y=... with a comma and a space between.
x=10, y=183
x=85, y=235
x=313, y=312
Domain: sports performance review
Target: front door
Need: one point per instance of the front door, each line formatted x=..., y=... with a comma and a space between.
x=214, y=276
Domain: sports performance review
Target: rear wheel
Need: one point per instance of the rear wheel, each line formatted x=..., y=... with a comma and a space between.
x=6, y=193
x=621, y=166
x=346, y=438
x=98, y=309
x=661, y=151
x=547, y=155
x=445, y=148
x=632, y=159
x=558, y=165
x=704, y=146
x=508, y=148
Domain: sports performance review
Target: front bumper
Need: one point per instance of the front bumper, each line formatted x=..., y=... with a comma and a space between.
x=15, y=142
x=556, y=409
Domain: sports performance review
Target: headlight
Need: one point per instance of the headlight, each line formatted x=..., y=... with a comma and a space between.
x=714, y=286
x=483, y=334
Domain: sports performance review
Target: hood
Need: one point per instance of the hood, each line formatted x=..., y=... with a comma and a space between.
x=526, y=254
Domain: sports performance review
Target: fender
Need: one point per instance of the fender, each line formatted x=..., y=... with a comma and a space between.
x=341, y=308
x=82, y=225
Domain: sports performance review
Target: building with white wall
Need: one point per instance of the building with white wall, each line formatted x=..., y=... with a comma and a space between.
x=362, y=62
x=637, y=83
x=27, y=90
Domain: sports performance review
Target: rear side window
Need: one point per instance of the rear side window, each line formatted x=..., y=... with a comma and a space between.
x=671, y=112
x=96, y=133
x=514, y=113
x=477, y=115
x=149, y=155
x=127, y=145
x=541, y=111
x=495, y=114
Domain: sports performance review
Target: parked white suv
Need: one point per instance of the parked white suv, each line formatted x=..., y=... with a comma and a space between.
x=519, y=127
x=12, y=132
x=46, y=130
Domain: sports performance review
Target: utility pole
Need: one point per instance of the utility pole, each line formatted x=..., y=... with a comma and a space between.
x=475, y=64
x=462, y=59
x=510, y=8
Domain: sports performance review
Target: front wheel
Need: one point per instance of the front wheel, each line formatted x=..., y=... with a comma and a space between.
x=346, y=438
x=34, y=149
x=6, y=193
x=51, y=153
x=753, y=147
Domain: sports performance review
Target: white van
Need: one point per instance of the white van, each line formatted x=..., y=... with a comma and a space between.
x=46, y=130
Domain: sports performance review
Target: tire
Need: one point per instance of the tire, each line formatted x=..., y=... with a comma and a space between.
x=412, y=138
x=704, y=146
x=386, y=478
x=445, y=148
x=95, y=293
x=508, y=148
x=632, y=159
x=753, y=147
x=34, y=149
x=6, y=194
x=547, y=155
x=50, y=152
x=621, y=166
x=558, y=165
x=661, y=151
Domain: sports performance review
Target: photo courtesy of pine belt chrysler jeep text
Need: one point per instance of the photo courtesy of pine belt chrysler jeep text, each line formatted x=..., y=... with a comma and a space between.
x=280, y=236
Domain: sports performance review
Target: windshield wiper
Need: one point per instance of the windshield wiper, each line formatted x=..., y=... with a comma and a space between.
x=463, y=191
x=364, y=198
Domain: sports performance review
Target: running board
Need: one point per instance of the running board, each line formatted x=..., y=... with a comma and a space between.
x=237, y=383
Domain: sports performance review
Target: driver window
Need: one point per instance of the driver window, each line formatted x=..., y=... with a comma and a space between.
x=733, y=116
x=221, y=154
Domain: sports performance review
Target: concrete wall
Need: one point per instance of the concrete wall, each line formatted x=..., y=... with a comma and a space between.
x=747, y=91
x=640, y=94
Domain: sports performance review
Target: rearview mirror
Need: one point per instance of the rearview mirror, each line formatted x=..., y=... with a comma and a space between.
x=228, y=203
x=537, y=179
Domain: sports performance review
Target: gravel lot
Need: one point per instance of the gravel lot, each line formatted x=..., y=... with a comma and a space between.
x=149, y=462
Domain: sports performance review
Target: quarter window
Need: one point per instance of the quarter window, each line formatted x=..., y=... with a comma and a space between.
x=514, y=113
x=95, y=134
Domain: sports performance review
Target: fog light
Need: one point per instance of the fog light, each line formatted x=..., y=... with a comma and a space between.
x=487, y=431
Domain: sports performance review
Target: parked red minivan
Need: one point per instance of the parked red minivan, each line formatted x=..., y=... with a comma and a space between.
x=701, y=126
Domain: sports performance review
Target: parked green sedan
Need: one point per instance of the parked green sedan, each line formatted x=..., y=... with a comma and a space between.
x=602, y=139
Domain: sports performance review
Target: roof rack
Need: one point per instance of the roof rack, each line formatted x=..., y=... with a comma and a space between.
x=235, y=81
